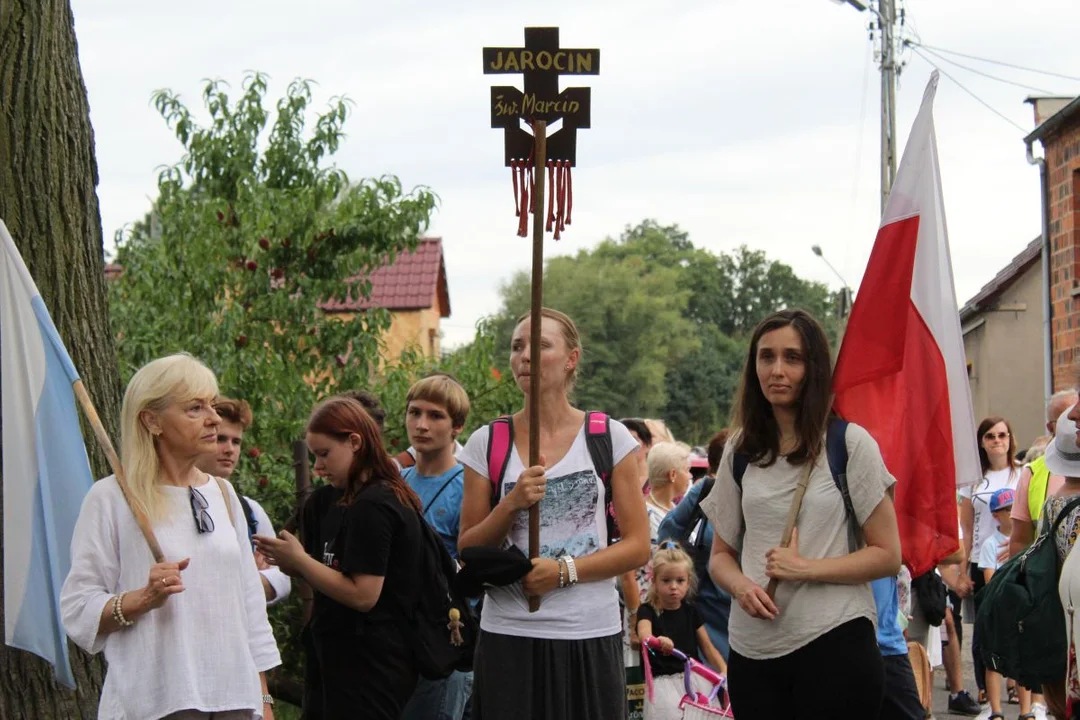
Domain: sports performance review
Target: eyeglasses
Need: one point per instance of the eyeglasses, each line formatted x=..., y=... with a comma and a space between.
x=995, y=436
x=199, y=510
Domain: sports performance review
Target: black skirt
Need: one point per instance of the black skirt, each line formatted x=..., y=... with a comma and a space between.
x=533, y=679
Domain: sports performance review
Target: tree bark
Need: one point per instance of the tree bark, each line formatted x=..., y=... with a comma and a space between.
x=48, y=199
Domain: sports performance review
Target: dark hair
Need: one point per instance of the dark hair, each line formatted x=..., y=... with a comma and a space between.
x=341, y=416
x=639, y=428
x=984, y=427
x=237, y=412
x=759, y=436
x=371, y=404
x=716, y=450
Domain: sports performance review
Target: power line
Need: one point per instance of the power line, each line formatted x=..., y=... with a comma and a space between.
x=960, y=85
x=995, y=62
x=984, y=74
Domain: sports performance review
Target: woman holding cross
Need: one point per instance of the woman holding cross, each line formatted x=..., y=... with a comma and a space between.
x=563, y=662
x=810, y=648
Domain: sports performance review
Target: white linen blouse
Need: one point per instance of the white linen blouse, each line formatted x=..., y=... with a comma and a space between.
x=203, y=649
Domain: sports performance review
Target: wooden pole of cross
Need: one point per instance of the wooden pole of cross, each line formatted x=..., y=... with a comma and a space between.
x=535, y=320
x=541, y=61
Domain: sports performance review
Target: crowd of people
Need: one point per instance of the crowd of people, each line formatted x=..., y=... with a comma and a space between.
x=734, y=589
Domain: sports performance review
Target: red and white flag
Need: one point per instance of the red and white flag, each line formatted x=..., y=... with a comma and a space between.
x=901, y=371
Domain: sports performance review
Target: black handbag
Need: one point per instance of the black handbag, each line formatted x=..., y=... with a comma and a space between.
x=930, y=592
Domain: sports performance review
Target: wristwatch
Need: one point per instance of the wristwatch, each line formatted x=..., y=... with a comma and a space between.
x=268, y=699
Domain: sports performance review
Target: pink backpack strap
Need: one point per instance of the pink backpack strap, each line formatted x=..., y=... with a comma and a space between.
x=500, y=442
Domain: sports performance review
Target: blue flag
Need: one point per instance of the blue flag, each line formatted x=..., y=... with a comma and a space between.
x=46, y=471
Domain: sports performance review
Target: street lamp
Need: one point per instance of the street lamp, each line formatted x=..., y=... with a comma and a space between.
x=845, y=291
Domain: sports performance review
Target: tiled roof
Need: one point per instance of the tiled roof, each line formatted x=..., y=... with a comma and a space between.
x=411, y=282
x=1002, y=280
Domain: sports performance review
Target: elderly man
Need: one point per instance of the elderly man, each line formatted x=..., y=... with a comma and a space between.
x=1036, y=483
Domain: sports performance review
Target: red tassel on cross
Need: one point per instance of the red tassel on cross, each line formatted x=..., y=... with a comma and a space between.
x=569, y=193
x=523, y=213
x=514, y=177
x=551, y=164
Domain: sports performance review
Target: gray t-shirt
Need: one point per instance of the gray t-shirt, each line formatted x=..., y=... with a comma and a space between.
x=752, y=520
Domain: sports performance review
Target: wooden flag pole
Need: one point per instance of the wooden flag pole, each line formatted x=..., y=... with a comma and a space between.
x=535, y=321
x=118, y=470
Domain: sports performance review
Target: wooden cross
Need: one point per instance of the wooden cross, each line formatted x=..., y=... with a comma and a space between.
x=541, y=62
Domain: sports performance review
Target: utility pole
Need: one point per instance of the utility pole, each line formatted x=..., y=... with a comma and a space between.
x=887, y=23
x=889, y=71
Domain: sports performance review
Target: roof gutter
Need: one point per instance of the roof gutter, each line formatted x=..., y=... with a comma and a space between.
x=1048, y=307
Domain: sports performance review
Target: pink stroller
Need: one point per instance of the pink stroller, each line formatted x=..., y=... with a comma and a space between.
x=695, y=705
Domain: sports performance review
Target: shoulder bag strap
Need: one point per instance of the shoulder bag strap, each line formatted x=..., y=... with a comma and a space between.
x=446, y=484
x=792, y=518
x=228, y=501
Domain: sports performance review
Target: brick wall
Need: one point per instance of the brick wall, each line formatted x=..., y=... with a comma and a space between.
x=1062, y=151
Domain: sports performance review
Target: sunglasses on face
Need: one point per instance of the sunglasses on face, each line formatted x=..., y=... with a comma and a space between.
x=995, y=436
x=199, y=510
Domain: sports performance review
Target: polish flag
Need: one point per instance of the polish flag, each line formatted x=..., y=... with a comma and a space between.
x=901, y=372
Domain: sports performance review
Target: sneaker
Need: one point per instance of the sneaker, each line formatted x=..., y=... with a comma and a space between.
x=1039, y=711
x=963, y=704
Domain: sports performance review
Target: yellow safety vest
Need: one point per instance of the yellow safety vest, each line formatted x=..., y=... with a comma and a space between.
x=1040, y=478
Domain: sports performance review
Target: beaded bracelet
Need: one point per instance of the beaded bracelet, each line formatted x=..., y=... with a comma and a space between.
x=562, y=572
x=118, y=611
x=571, y=570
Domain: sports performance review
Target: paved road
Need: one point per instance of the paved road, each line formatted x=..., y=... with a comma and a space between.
x=941, y=693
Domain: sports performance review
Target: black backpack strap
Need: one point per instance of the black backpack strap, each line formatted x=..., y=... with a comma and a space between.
x=249, y=516
x=738, y=467
x=446, y=484
x=1069, y=507
x=598, y=442
x=837, y=454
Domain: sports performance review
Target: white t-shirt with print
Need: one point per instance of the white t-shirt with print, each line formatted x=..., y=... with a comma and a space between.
x=572, y=521
x=979, y=495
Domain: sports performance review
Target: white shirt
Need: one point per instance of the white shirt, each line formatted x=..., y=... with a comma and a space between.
x=572, y=521
x=278, y=580
x=988, y=555
x=203, y=649
x=979, y=495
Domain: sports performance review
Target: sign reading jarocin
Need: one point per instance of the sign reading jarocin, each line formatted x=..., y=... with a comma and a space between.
x=518, y=60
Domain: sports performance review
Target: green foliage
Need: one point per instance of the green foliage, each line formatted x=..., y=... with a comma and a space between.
x=251, y=232
x=664, y=323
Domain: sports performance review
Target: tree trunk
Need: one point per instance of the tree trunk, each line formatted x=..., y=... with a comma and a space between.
x=48, y=199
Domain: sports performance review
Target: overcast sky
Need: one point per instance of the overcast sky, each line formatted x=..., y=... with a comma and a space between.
x=744, y=122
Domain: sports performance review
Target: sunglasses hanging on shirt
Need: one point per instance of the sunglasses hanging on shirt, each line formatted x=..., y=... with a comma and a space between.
x=200, y=511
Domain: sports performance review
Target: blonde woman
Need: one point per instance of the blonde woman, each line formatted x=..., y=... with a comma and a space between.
x=186, y=638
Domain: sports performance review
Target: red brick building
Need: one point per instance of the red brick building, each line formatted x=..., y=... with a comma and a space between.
x=1059, y=135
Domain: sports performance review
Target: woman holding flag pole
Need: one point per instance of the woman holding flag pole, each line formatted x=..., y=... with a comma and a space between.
x=185, y=635
x=806, y=644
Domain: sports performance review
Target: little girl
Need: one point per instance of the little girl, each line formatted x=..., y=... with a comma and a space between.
x=668, y=616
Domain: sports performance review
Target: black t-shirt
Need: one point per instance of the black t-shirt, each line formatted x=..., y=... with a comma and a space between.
x=681, y=627
x=376, y=535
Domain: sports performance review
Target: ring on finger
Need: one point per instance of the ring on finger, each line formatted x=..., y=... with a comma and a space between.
x=164, y=582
